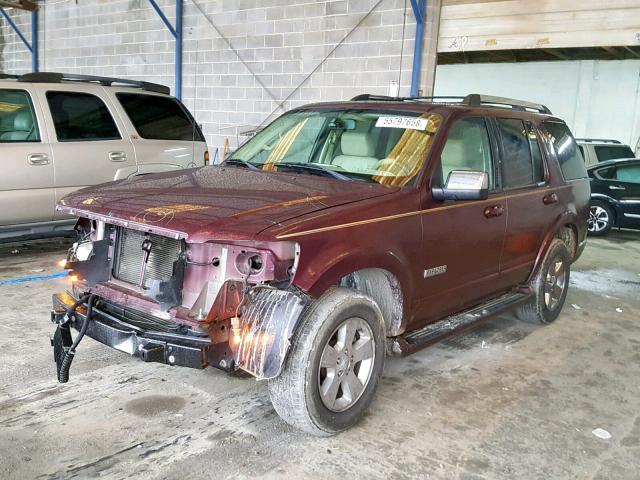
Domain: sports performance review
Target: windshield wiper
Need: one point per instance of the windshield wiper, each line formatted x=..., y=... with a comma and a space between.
x=237, y=161
x=313, y=167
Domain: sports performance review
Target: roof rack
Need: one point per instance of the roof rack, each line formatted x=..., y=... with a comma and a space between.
x=52, y=77
x=7, y=75
x=472, y=100
x=598, y=140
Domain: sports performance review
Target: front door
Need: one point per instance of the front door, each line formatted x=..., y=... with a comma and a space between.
x=462, y=239
x=26, y=183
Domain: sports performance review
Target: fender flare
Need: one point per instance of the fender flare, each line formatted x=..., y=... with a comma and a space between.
x=566, y=218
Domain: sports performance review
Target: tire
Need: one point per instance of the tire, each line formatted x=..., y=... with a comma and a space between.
x=325, y=326
x=550, y=290
x=601, y=218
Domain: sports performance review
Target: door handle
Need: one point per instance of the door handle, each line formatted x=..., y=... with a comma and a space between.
x=616, y=187
x=117, y=156
x=494, y=211
x=549, y=199
x=38, y=159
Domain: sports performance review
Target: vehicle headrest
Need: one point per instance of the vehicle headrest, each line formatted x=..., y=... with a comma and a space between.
x=357, y=144
x=22, y=121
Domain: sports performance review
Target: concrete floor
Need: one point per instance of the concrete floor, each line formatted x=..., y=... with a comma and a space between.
x=505, y=401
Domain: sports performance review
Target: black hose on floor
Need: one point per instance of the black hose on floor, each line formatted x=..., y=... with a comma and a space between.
x=63, y=372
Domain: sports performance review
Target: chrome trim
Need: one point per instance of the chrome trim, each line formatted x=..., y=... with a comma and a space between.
x=606, y=197
x=632, y=215
x=143, y=227
x=630, y=202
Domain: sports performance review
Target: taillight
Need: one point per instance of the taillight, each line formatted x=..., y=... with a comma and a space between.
x=206, y=157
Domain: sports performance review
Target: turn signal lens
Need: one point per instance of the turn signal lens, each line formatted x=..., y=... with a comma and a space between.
x=206, y=157
x=73, y=278
x=62, y=263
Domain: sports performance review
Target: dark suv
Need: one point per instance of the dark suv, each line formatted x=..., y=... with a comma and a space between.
x=341, y=233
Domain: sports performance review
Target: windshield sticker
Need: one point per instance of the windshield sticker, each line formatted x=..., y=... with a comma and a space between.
x=412, y=123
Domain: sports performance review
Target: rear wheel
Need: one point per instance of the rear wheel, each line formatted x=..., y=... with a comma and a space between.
x=549, y=286
x=600, y=218
x=336, y=359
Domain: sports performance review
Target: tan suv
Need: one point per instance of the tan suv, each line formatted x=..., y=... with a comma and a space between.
x=60, y=132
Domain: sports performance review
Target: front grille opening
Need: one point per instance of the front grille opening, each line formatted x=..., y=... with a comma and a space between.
x=130, y=257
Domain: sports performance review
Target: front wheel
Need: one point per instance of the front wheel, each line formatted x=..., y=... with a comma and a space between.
x=549, y=286
x=336, y=359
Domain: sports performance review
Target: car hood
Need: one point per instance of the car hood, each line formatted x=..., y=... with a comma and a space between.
x=214, y=203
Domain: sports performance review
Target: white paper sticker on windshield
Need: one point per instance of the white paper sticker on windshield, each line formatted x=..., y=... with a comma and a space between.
x=412, y=123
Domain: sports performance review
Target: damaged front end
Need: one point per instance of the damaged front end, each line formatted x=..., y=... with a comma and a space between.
x=227, y=304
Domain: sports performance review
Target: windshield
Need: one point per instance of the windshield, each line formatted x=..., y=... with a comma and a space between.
x=375, y=146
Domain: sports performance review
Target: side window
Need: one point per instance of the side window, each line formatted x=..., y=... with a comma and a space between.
x=613, y=152
x=159, y=118
x=17, y=118
x=606, y=173
x=581, y=148
x=81, y=117
x=566, y=151
x=467, y=148
x=628, y=174
x=517, y=163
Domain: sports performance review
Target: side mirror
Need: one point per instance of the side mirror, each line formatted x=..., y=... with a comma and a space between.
x=464, y=185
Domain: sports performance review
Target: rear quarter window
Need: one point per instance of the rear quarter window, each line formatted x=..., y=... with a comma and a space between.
x=613, y=152
x=566, y=151
x=159, y=118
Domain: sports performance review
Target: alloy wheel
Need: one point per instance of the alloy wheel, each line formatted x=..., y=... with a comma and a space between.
x=554, y=283
x=346, y=364
x=598, y=218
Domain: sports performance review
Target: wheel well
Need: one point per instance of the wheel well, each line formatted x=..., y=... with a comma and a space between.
x=385, y=289
x=569, y=235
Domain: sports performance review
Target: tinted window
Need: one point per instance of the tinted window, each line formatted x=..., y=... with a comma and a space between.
x=81, y=117
x=467, y=148
x=536, y=153
x=566, y=150
x=611, y=152
x=517, y=164
x=17, y=119
x=628, y=174
x=606, y=173
x=159, y=118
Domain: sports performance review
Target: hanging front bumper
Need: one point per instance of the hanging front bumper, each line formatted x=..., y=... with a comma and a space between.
x=194, y=351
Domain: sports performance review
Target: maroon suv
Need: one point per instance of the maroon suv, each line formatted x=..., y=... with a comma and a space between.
x=341, y=233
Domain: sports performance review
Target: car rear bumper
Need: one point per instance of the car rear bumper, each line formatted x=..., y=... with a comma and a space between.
x=194, y=351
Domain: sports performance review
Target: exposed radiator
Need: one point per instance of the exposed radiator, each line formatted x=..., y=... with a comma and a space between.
x=130, y=256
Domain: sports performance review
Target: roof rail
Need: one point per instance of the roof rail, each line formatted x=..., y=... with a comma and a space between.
x=598, y=140
x=472, y=100
x=52, y=77
x=7, y=75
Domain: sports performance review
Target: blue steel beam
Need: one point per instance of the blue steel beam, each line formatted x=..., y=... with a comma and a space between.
x=419, y=11
x=33, y=46
x=176, y=33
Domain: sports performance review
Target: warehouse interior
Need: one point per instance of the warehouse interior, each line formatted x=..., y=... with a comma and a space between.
x=496, y=398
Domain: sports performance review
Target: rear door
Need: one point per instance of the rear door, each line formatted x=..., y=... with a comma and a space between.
x=531, y=204
x=91, y=143
x=26, y=182
x=166, y=135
